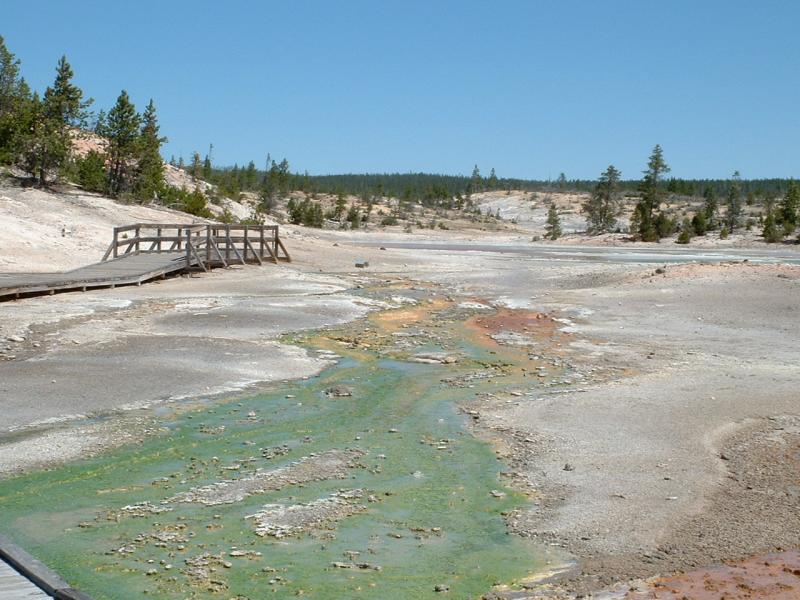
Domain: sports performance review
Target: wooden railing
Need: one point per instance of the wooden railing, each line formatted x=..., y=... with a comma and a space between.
x=204, y=245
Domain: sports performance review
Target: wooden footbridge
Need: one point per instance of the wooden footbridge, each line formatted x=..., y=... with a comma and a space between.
x=147, y=251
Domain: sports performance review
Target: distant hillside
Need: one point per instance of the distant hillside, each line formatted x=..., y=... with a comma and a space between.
x=432, y=186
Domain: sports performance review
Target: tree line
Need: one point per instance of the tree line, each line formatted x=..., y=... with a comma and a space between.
x=651, y=221
x=39, y=134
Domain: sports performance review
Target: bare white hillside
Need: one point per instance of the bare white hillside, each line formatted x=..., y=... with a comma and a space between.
x=46, y=231
x=529, y=209
x=240, y=210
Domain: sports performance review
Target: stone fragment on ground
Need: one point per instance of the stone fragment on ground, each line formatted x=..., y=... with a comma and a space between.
x=280, y=521
x=333, y=464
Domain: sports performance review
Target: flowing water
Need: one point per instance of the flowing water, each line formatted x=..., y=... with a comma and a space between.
x=427, y=513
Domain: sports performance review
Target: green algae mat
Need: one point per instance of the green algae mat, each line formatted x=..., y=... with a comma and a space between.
x=363, y=482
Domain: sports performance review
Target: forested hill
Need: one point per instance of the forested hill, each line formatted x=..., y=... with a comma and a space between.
x=416, y=184
x=422, y=186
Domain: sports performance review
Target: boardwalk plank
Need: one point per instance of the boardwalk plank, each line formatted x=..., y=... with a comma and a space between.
x=130, y=269
x=14, y=586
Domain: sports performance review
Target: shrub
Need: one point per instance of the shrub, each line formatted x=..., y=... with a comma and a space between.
x=770, y=231
x=194, y=203
x=305, y=213
x=665, y=226
x=226, y=217
x=699, y=224
x=686, y=232
x=92, y=172
x=354, y=217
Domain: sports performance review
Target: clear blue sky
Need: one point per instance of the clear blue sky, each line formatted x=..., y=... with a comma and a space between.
x=531, y=88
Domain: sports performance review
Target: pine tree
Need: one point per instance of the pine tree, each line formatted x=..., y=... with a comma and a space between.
x=150, y=167
x=231, y=185
x=251, y=176
x=476, y=181
x=194, y=168
x=790, y=204
x=15, y=107
x=207, y=170
x=341, y=204
x=354, y=217
x=710, y=207
x=92, y=172
x=195, y=203
x=686, y=232
x=48, y=140
x=650, y=195
x=699, y=223
x=604, y=205
x=734, y=213
x=9, y=78
x=266, y=200
x=123, y=144
x=101, y=124
x=770, y=230
x=553, y=226
x=562, y=181
x=284, y=177
x=492, y=183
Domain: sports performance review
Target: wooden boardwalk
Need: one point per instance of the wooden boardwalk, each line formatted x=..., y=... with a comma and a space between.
x=143, y=252
x=23, y=576
x=14, y=586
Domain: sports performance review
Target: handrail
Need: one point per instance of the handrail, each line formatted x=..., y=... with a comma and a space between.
x=244, y=243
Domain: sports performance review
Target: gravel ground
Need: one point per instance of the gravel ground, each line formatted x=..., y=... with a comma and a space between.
x=683, y=460
x=184, y=338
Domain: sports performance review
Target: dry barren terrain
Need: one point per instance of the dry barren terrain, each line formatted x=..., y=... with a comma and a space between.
x=673, y=447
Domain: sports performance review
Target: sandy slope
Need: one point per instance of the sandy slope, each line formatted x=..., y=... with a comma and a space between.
x=42, y=231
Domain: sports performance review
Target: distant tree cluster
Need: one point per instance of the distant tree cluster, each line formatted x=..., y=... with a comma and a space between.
x=652, y=219
x=305, y=212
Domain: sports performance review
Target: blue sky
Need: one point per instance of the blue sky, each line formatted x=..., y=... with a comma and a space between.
x=529, y=88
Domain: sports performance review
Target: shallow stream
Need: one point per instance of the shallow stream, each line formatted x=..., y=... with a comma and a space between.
x=427, y=510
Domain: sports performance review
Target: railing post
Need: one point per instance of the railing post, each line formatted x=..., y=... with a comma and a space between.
x=244, y=246
x=227, y=243
x=208, y=243
x=138, y=235
x=188, y=247
x=261, y=241
x=158, y=235
x=116, y=241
